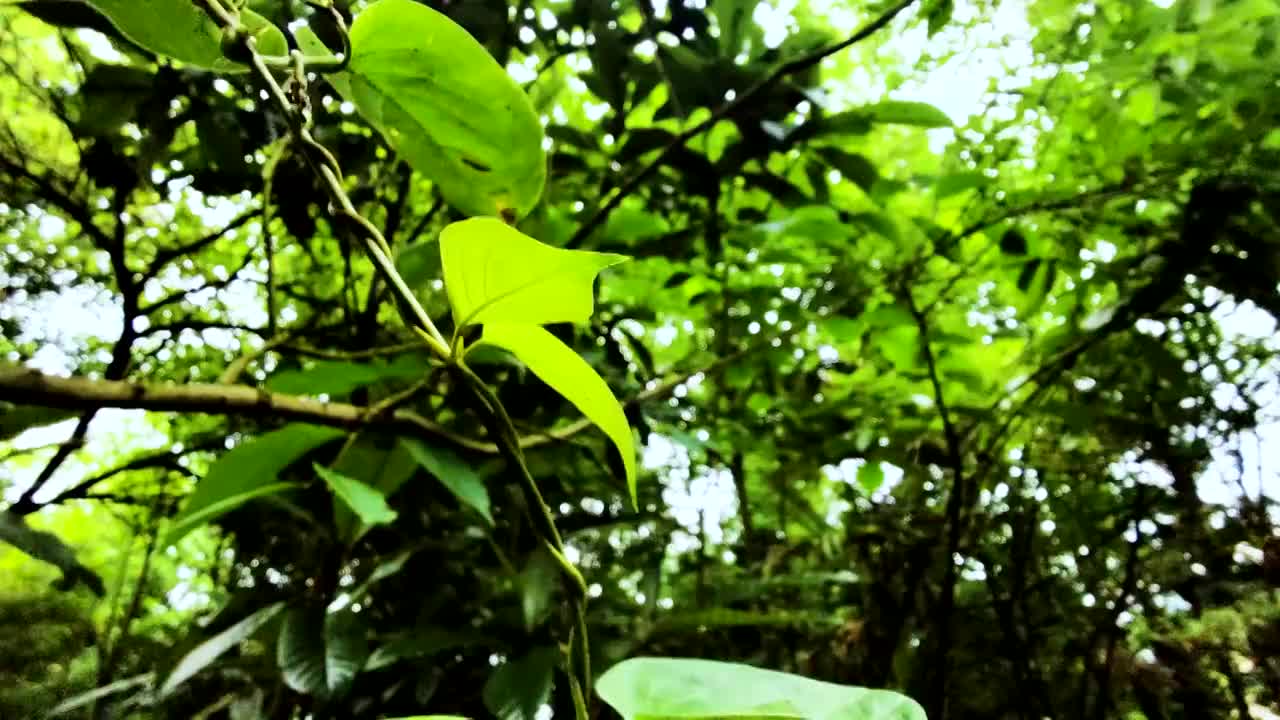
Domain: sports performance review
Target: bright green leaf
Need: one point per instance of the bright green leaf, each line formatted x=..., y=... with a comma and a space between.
x=495, y=273
x=687, y=688
x=870, y=476
x=568, y=374
x=904, y=112
x=321, y=654
x=246, y=472
x=518, y=688
x=179, y=29
x=446, y=106
x=210, y=650
x=453, y=472
x=381, y=463
x=369, y=504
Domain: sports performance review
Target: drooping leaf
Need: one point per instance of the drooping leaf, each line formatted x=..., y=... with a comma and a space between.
x=538, y=581
x=905, y=112
x=340, y=377
x=568, y=374
x=246, y=472
x=381, y=463
x=452, y=472
x=210, y=650
x=495, y=273
x=368, y=503
x=517, y=689
x=321, y=653
x=686, y=688
x=179, y=29
x=446, y=106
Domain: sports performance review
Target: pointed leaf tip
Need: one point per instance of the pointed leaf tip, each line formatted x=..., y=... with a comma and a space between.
x=568, y=374
x=494, y=273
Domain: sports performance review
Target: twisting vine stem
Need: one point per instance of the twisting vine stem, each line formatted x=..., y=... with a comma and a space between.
x=291, y=99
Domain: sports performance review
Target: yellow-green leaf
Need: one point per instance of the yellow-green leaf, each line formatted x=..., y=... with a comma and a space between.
x=447, y=107
x=495, y=273
x=179, y=29
x=650, y=687
x=568, y=374
x=369, y=504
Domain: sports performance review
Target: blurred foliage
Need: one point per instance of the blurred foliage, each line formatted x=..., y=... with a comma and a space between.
x=952, y=357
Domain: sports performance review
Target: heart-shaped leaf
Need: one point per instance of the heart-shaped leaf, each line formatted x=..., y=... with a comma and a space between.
x=568, y=374
x=687, y=688
x=179, y=29
x=446, y=106
x=494, y=273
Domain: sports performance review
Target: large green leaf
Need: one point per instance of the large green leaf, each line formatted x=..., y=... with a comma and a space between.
x=495, y=273
x=517, y=689
x=246, y=472
x=321, y=654
x=568, y=374
x=904, y=112
x=453, y=472
x=687, y=688
x=179, y=29
x=210, y=650
x=447, y=107
x=339, y=377
x=368, y=503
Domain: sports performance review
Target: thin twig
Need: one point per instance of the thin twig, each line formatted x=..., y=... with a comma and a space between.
x=788, y=68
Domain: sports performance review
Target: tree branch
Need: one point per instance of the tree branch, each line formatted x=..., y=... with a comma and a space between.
x=782, y=71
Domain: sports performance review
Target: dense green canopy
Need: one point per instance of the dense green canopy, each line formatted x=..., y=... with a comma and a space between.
x=946, y=347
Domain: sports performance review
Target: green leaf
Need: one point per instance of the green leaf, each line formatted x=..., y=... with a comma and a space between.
x=210, y=650
x=518, y=688
x=453, y=472
x=340, y=377
x=382, y=464
x=568, y=374
x=904, y=112
x=246, y=472
x=495, y=273
x=369, y=504
x=687, y=688
x=321, y=654
x=446, y=106
x=179, y=29
x=871, y=476
x=419, y=264
x=17, y=419
x=76, y=702
x=853, y=166
x=538, y=581
x=419, y=642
